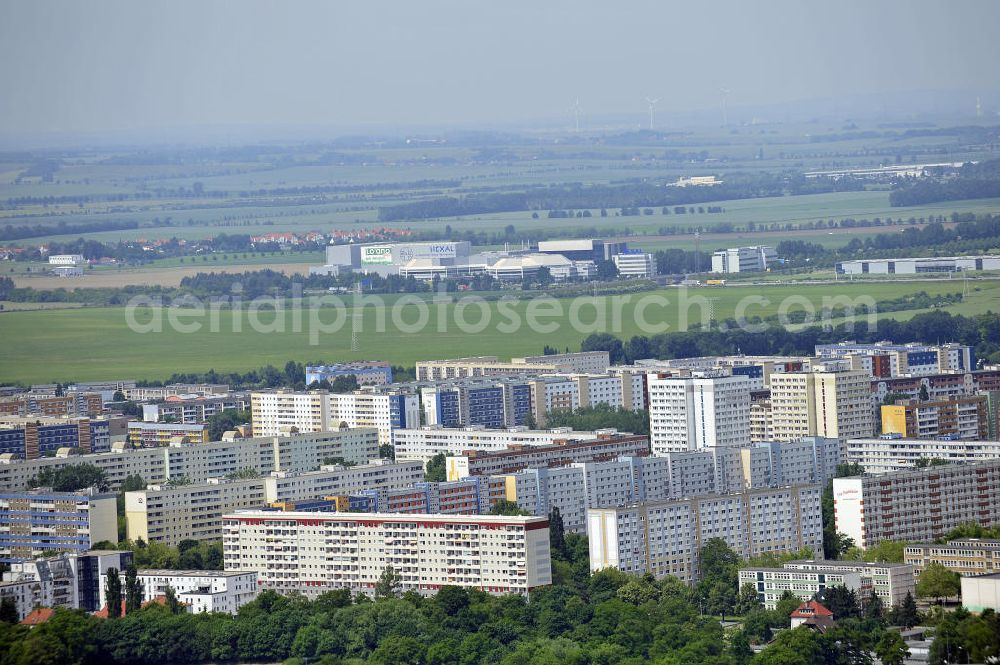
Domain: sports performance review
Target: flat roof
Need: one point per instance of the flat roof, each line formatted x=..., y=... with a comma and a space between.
x=194, y=573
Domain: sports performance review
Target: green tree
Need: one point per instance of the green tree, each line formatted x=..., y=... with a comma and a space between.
x=389, y=584
x=8, y=610
x=840, y=600
x=113, y=593
x=226, y=420
x=71, y=478
x=938, y=582
x=173, y=605
x=557, y=531
x=436, y=471
x=748, y=599
x=133, y=589
x=509, y=508
x=891, y=649
x=906, y=614
x=719, y=563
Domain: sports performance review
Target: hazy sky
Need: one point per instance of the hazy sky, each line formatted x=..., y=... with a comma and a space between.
x=97, y=65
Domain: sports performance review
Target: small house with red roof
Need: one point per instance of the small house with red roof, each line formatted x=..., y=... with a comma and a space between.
x=813, y=615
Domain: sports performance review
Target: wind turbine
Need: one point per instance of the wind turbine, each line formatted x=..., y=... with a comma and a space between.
x=652, y=110
x=576, y=114
x=725, y=110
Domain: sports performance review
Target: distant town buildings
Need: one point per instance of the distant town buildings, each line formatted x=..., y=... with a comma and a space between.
x=368, y=372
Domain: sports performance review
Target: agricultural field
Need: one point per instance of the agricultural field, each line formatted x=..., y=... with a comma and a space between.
x=97, y=343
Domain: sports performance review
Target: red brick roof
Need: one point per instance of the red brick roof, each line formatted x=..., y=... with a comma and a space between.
x=38, y=616
x=811, y=608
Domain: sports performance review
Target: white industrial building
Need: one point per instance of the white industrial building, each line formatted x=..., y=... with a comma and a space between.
x=913, y=266
x=742, y=259
x=635, y=263
x=312, y=553
x=522, y=266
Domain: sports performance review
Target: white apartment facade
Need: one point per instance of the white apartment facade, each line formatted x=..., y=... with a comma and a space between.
x=698, y=412
x=426, y=442
x=889, y=452
x=198, y=590
x=312, y=553
x=917, y=506
x=199, y=462
x=172, y=514
x=665, y=537
x=279, y=412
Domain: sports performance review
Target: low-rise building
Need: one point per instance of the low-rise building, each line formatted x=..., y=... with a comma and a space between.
x=529, y=452
x=314, y=552
x=804, y=583
x=742, y=259
x=197, y=462
x=154, y=434
x=981, y=593
x=194, y=408
x=968, y=556
x=426, y=442
x=198, y=590
x=891, y=582
x=366, y=372
x=72, y=403
x=32, y=437
x=635, y=263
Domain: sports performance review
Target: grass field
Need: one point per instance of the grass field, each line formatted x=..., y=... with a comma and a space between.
x=96, y=343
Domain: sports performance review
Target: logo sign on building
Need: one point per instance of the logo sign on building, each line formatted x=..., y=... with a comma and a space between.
x=376, y=254
x=444, y=250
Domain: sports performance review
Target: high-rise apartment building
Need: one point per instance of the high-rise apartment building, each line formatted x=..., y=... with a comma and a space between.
x=830, y=403
x=696, y=412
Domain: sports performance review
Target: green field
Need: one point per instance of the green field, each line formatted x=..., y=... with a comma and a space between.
x=96, y=343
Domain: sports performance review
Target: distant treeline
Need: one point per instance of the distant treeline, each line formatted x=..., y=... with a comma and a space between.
x=974, y=181
x=10, y=232
x=972, y=234
x=630, y=195
x=981, y=331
